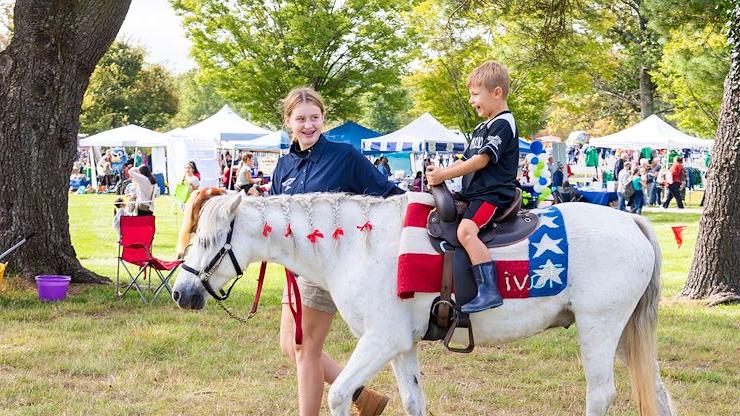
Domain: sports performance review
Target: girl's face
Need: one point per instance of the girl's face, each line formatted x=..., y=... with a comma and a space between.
x=305, y=123
x=188, y=169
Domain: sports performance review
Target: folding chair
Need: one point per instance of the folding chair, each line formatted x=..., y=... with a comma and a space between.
x=135, y=248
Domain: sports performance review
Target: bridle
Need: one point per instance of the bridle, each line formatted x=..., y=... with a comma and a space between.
x=204, y=277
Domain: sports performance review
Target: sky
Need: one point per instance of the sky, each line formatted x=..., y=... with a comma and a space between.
x=154, y=25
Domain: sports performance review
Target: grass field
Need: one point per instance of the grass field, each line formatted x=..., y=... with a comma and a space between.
x=97, y=355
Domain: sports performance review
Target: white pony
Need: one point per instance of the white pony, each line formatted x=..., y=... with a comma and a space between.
x=612, y=293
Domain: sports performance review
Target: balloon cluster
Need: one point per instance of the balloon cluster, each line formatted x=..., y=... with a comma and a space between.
x=541, y=174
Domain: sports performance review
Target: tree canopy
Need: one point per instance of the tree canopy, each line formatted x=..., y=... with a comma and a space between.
x=256, y=51
x=125, y=90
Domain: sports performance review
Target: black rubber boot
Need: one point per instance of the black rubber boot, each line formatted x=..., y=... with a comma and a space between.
x=488, y=294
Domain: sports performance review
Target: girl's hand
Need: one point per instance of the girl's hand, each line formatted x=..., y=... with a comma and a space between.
x=435, y=175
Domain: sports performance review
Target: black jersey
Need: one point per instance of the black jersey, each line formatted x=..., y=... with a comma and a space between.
x=493, y=183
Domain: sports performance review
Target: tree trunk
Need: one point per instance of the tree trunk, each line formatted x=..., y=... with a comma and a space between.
x=647, y=86
x=43, y=75
x=715, y=271
x=647, y=93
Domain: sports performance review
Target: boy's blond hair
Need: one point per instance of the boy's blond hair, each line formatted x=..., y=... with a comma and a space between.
x=490, y=75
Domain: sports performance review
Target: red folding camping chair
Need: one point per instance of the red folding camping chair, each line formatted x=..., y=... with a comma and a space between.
x=135, y=248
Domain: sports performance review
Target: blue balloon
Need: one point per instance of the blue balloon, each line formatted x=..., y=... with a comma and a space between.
x=534, y=161
x=536, y=147
x=543, y=181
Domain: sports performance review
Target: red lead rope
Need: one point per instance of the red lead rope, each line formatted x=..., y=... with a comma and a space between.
x=257, y=294
x=297, y=312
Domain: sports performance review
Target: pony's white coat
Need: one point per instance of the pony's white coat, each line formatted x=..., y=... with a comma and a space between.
x=614, y=263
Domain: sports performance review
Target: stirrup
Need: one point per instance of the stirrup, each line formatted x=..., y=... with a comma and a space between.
x=451, y=331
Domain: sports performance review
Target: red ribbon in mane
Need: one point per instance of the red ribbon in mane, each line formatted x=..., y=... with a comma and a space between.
x=339, y=231
x=366, y=226
x=288, y=231
x=314, y=235
x=266, y=230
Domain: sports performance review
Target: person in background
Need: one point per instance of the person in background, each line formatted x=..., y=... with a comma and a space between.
x=622, y=179
x=244, y=179
x=118, y=212
x=195, y=169
x=639, y=183
x=620, y=163
x=146, y=187
x=557, y=177
x=384, y=167
x=676, y=185
x=652, y=183
x=416, y=184
x=190, y=177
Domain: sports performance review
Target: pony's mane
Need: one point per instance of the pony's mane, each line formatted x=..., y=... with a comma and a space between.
x=212, y=213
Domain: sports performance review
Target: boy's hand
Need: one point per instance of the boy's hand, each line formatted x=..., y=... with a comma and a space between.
x=434, y=175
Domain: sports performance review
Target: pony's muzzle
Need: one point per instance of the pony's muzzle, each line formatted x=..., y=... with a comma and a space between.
x=187, y=300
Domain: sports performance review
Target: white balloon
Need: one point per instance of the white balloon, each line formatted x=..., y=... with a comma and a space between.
x=546, y=173
x=538, y=188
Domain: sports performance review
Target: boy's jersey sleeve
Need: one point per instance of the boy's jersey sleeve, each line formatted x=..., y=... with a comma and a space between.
x=497, y=139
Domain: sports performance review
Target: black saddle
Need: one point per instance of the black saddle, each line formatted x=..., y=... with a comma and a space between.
x=510, y=225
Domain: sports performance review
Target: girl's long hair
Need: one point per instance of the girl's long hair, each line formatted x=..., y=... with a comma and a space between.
x=144, y=170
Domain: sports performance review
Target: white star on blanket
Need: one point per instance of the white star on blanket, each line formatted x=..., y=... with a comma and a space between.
x=548, y=273
x=547, y=221
x=546, y=244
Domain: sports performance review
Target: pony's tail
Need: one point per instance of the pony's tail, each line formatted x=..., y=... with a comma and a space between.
x=639, y=338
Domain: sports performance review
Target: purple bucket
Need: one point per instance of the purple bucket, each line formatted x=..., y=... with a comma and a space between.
x=52, y=287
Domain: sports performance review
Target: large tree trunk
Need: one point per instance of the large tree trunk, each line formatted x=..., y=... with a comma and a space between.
x=43, y=75
x=715, y=272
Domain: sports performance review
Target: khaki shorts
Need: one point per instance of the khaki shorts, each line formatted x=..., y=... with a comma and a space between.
x=312, y=296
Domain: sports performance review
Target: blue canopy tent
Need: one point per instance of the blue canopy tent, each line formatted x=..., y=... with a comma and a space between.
x=524, y=146
x=350, y=133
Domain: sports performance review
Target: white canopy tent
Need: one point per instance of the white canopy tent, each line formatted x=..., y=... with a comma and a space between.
x=425, y=134
x=224, y=126
x=202, y=141
x=654, y=133
x=273, y=142
x=129, y=136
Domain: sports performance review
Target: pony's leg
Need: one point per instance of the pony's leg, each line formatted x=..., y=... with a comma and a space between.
x=598, y=338
x=374, y=350
x=408, y=376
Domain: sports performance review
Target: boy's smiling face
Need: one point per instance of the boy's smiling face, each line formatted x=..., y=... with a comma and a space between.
x=487, y=103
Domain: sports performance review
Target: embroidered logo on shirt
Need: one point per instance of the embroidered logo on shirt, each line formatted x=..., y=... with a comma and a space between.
x=494, y=141
x=287, y=183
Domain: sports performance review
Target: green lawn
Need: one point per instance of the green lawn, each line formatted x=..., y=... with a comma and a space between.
x=96, y=355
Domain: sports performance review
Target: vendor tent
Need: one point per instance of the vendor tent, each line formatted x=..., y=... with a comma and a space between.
x=350, y=133
x=129, y=136
x=273, y=142
x=126, y=136
x=654, y=133
x=201, y=143
x=425, y=134
x=222, y=127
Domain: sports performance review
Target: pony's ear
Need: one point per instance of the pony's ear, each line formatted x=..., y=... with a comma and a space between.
x=235, y=204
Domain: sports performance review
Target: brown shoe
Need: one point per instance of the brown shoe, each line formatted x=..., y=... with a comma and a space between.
x=370, y=403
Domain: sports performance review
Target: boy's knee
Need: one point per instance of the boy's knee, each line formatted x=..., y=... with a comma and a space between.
x=466, y=231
